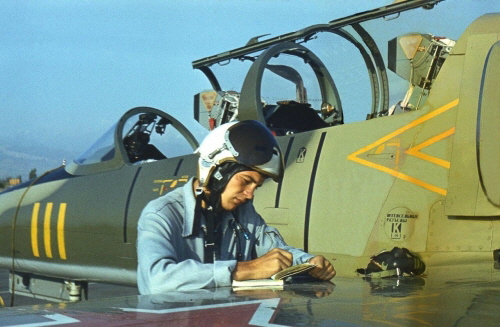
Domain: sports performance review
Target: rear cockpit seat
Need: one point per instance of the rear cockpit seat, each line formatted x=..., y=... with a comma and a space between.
x=292, y=117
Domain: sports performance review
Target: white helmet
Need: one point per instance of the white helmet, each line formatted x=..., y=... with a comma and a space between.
x=248, y=143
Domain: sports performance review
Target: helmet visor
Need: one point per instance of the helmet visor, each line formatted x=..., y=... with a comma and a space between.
x=251, y=143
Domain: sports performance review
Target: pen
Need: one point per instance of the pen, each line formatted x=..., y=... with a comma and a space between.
x=241, y=229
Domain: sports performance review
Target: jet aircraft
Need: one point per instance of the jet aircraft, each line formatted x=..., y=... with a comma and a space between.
x=419, y=172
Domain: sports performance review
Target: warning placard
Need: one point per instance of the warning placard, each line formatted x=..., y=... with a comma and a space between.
x=400, y=223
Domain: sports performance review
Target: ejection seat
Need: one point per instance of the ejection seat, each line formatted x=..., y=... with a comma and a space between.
x=292, y=117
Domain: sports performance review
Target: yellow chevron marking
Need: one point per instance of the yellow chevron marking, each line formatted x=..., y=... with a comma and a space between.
x=415, y=151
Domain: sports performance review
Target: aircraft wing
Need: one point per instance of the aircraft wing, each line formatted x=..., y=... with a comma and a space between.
x=462, y=295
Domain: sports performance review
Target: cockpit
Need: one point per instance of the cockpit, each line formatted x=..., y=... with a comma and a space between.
x=141, y=136
x=284, y=81
x=137, y=140
x=286, y=86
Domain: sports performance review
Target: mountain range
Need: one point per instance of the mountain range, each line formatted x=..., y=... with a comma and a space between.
x=19, y=160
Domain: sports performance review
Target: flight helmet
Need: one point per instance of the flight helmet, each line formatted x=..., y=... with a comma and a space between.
x=397, y=262
x=249, y=144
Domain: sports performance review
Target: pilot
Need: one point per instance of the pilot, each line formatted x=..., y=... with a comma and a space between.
x=207, y=233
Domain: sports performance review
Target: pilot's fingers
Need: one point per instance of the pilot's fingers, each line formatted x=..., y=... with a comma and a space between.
x=265, y=266
x=319, y=261
x=327, y=273
x=284, y=258
x=281, y=252
x=324, y=269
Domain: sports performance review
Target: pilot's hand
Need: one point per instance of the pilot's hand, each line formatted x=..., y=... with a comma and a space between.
x=324, y=269
x=263, y=267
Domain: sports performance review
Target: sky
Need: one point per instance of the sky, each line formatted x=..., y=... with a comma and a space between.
x=70, y=69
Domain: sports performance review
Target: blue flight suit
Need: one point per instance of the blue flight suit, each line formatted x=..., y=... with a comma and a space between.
x=170, y=245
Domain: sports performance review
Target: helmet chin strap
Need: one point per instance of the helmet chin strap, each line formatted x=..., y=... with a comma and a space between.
x=207, y=199
x=210, y=212
x=211, y=196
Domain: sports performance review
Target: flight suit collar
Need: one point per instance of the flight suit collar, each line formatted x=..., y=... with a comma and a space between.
x=190, y=225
